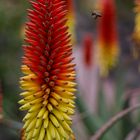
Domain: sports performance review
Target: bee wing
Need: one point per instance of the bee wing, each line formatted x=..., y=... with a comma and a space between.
x=99, y=15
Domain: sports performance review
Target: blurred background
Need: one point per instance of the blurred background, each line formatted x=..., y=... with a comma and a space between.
x=106, y=53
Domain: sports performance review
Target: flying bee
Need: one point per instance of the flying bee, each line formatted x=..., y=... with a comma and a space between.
x=96, y=14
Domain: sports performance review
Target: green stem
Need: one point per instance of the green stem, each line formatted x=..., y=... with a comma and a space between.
x=99, y=134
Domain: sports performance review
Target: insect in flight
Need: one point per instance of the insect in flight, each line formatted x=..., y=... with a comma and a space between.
x=96, y=14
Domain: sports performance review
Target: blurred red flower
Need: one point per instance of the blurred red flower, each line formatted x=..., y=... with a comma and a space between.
x=108, y=49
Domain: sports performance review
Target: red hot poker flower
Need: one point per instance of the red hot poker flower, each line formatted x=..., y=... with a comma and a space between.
x=48, y=83
x=108, y=49
x=88, y=49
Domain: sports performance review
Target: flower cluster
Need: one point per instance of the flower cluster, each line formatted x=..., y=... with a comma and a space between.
x=107, y=43
x=136, y=34
x=49, y=73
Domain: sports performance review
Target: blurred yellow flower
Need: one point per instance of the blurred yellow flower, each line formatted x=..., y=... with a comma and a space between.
x=136, y=34
x=71, y=19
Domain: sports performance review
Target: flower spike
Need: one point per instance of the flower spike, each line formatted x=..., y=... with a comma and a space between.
x=108, y=50
x=49, y=73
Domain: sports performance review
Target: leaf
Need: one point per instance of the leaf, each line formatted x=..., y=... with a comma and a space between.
x=102, y=107
x=126, y=123
x=91, y=121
